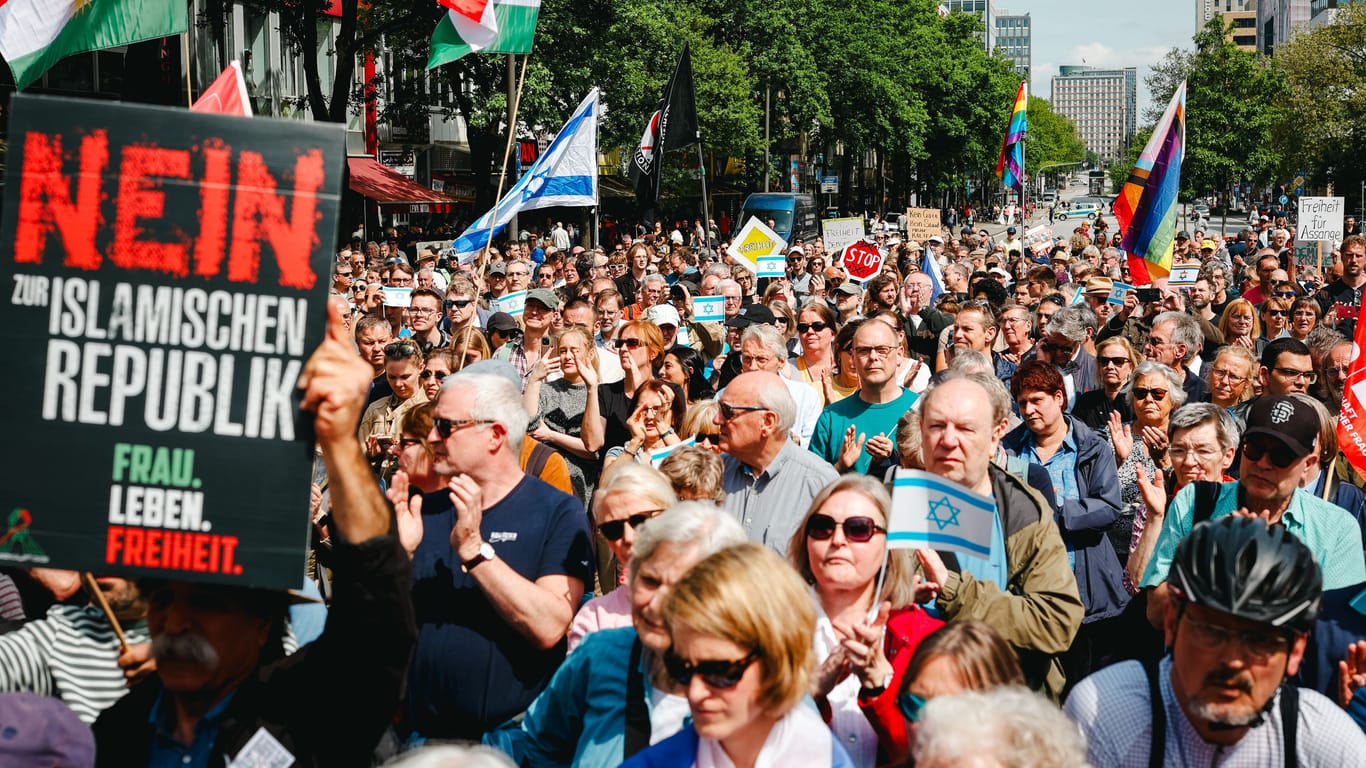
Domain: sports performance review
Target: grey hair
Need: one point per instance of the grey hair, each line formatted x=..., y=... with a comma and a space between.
x=719, y=270
x=494, y=399
x=1193, y=415
x=1068, y=322
x=1011, y=725
x=451, y=756
x=1152, y=368
x=636, y=479
x=1323, y=340
x=1090, y=250
x=1113, y=251
x=698, y=524
x=970, y=361
x=727, y=283
x=996, y=391
x=1185, y=330
x=653, y=277
x=779, y=400
x=769, y=336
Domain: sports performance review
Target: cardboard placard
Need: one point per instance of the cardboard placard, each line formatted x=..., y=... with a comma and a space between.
x=170, y=275
x=922, y=224
x=837, y=233
x=755, y=239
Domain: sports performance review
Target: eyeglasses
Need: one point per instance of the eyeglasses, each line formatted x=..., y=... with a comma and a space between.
x=458, y=303
x=1158, y=395
x=445, y=427
x=1290, y=373
x=822, y=527
x=878, y=351
x=1260, y=645
x=1117, y=362
x=1281, y=455
x=816, y=326
x=422, y=311
x=1178, y=453
x=910, y=705
x=615, y=529
x=722, y=675
x=401, y=349
x=1222, y=373
x=729, y=412
x=427, y=374
x=628, y=343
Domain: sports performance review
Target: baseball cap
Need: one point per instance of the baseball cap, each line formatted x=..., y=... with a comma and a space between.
x=849, y=288
x=1098, y=286
x=501, y=322
x=39, y=730
x=936, y=238
x=1285, y=419
x=1183, y=235
x=663, y=314
x=750, y=315
x=1010, y=230
x=797, y=249
x=999, y=271
x=1207, y=245
x=545, y=296
x=497, y=268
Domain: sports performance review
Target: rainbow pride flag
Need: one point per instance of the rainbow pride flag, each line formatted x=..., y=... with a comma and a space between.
x=1146, y=206
x=1010, y=166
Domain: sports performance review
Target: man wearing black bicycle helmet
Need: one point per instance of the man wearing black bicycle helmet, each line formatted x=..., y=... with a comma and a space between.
x=1244, y=595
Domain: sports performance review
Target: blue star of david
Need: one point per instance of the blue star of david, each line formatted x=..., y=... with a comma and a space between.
x=951, y=516
x=534, y=186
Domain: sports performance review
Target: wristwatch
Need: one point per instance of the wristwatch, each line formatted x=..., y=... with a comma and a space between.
x=485, y=553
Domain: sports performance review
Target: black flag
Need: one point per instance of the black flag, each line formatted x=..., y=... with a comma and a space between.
x=673, y=125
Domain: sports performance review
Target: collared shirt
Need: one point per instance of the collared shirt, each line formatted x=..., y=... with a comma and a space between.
x=1329, y=531
x=166, y=751
x=1061, y=466
x=771, y=503
x=1113, y=710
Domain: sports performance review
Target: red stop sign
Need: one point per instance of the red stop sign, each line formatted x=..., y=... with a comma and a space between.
x=861, y=260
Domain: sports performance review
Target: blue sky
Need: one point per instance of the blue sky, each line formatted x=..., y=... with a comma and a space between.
x=1105, y=33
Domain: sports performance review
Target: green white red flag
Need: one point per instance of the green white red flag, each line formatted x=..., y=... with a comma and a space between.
x=35, y=34
x=483, y=26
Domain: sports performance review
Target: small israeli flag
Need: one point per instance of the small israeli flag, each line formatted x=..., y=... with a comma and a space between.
x=930, y=512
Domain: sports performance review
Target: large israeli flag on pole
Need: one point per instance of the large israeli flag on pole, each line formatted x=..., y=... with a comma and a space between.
x=565, y=175
x=929, y=512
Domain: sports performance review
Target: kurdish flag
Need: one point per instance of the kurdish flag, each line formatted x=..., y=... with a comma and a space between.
x=1010, y=166
x=483, y=26
x=1146, y=206
x=35, y=34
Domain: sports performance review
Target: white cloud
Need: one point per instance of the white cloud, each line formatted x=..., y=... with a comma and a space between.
x=1100, y=55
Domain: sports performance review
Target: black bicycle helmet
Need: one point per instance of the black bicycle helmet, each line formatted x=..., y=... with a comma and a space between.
x=1241, y=566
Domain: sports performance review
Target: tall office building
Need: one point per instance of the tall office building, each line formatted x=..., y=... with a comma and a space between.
x=1278, y=21
x=1102, y=102
x=1240, y=15
x=1014, y=40
x=980, y=8
x=1208, y=9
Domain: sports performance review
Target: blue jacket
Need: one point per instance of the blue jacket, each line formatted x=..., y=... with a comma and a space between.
x=680, y=751
x=1083, y=521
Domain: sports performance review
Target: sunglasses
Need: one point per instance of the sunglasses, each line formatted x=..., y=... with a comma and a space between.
x=717, y=674
x=445, y=427
x=861, y=529
x=628, y=343
x=401, y=349
x=816, y=326
x=729, y=411
x=1278, y=312
x=1281, y=455
x=426, y=374
x=711, y=439
x=1115, y=361
x=615, y=529
x=458, y=303
x=1051, y=347
x=1157, y=395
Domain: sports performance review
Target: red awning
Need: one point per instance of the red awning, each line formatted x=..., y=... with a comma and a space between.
x=393, y=192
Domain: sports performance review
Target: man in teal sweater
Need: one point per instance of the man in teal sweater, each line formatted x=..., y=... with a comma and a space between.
x=858, y=433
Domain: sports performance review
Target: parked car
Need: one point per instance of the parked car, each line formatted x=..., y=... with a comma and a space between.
x=1088, y=212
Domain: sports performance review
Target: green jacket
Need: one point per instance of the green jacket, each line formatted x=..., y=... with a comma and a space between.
x=1041, y=610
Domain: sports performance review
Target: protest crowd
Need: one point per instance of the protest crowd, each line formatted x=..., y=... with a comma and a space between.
x=598, y=526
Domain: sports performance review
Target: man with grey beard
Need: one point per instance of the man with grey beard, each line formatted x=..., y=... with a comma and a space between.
x=222, y=691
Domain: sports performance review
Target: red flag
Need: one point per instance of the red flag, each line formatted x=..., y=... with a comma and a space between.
x=1352, y=417
x=227, y=95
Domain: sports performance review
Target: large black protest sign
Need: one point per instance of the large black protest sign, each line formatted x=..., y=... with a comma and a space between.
x=167, y=278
